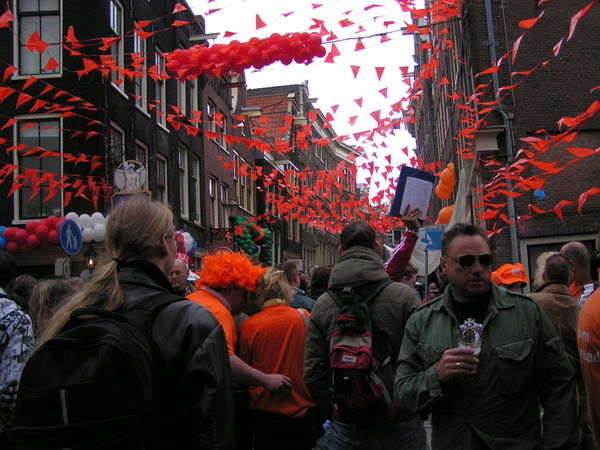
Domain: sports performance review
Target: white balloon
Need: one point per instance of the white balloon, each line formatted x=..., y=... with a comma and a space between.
x=85, y=221
x=87, y=234
x=186, y=235
x=99, y=230
x=72, y=216
x=188, y=245
x=97, y=218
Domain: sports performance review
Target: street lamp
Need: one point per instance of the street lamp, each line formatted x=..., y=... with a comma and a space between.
x=90, y=258
x=218, y=234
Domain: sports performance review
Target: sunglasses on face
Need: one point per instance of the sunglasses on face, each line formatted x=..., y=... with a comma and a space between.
x=469, y=260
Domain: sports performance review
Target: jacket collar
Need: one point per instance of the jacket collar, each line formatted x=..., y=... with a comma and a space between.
x=498, y=299
x=555, y=287
x=143, y=273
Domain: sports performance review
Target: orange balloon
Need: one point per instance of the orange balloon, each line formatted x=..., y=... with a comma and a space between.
x=447, y=177
x=442, y=195
x=445, y=187
x=445, y=214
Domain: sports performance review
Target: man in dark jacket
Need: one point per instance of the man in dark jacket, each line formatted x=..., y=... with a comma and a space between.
x=360, y=265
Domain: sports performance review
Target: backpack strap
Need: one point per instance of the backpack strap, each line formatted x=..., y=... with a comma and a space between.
x=346, y=294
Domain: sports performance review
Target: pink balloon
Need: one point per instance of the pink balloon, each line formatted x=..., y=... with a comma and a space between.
x=12, y=248
x=33, y=241
x=31, y=226
x=9, y=234
x=42, y=231
x=21, y=236
x=53, y=237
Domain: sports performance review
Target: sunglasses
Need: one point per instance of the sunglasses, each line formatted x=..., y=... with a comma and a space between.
x=469, y=260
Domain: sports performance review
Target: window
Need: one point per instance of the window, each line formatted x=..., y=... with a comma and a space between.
x=210, y=116
x=222, y=130
x=141, y=155
x=161, y=92
x=117, y=50
x=139, y=64
x=41, y=17
x=116, y=144
x=214, y=204
x=184, y=196
x=181, y=96
x=195, y=188
x=36, y=173
x=161, y=179
x=193, y=110
x=223, y=198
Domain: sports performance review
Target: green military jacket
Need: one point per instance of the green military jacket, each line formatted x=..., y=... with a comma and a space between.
x=522, y=366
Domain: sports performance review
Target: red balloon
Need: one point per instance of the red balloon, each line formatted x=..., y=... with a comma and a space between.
x=42, y=231
x=59, y=222
x=9, y=234
x=286, y=58
x=51, y=223
x=53, y=237
x=33, y=241
x=21, y=236
x=31, y=226
x=320, y=52
x=284, y=42
x=12, y=248
x=24, y=248
x=314, y=40
x=43, y=222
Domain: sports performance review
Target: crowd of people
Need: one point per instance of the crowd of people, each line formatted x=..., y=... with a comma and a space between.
x=244, y=351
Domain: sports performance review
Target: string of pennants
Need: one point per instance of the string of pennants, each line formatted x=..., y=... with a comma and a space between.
x=322, y=206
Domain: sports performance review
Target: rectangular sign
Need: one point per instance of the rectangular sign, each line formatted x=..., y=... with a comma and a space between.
x=430, y=238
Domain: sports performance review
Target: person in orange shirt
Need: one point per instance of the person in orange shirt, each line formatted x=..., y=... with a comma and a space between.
x=222, y=288
x=273, y=341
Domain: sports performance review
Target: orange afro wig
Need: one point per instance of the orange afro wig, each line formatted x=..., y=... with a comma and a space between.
x=229, y=269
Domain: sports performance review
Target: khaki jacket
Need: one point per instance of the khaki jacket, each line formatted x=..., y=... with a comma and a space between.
x=522, y=366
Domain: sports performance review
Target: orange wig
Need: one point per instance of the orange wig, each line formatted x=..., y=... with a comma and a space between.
x=229, y=269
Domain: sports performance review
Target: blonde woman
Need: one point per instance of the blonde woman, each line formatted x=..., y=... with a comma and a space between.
x=141, y=247
x=272, y=341
x=45, y=298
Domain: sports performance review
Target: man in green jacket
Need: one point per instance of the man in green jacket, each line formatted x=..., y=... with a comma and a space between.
x=492, y=400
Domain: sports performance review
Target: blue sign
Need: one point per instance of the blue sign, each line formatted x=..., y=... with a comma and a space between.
x=430, y=238
x=69, y=235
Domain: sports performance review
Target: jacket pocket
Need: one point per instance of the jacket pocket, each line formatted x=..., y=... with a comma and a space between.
x=430, y=353
x=515, y=366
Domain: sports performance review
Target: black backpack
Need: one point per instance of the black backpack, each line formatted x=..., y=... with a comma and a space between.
x=359, y=356
x=99, y=384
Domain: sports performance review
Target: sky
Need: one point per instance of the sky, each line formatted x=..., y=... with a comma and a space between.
x=349, y=96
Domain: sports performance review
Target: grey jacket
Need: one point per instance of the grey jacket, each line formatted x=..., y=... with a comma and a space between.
x=391, y=307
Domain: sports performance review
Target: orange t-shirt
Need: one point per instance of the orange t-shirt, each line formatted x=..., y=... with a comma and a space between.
x=221, y=313
x=272, y=341
x=575, y=292
x=588, y=341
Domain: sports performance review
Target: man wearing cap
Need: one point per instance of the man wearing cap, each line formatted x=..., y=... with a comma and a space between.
x=222, y=288
x=179, y=275
x=511, y=277
x=491, y=400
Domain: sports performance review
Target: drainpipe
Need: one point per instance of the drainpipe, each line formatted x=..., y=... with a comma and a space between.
x=508, y=132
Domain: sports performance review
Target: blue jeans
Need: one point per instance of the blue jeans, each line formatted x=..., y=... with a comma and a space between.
x=401, y=436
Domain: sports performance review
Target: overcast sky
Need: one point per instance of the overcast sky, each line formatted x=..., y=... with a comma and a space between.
x=333, y=84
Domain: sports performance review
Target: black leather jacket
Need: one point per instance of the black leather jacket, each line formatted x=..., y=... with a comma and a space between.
x=194, y=351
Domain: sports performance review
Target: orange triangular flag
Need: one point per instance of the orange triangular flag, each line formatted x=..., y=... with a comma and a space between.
x=259, y=23
x=5, y=18
x=379, y=71
x=359, y=45
x=355, y=70
x=178, y=8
